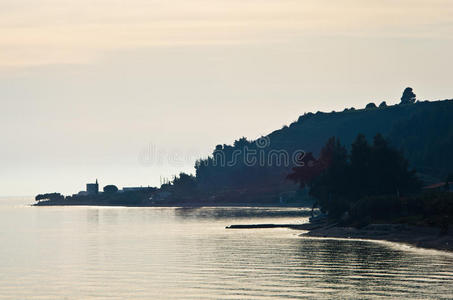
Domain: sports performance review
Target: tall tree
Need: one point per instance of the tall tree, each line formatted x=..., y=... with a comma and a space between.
x=360, y=166
x=369, y=170
x=308, y=169
x=408, y=96
x=330, y=188
x=391, y=172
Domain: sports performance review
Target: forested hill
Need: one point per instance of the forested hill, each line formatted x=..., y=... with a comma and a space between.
x=422, y=130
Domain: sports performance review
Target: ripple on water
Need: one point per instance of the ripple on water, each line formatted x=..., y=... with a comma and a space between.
x=101, y=253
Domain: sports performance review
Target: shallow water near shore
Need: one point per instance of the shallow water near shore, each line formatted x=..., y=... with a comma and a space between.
x=175, y=253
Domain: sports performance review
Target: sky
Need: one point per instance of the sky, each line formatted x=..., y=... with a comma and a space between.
x=132, y=91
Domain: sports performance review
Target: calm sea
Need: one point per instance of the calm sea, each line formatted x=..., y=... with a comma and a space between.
x=171, y=253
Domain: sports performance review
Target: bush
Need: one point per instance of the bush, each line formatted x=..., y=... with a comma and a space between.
x=383, y=104
x=370, y=106
x=110, y=189
x=49, y=197
x=377, y=207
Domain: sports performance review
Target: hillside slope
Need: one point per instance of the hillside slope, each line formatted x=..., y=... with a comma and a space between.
x=423, y=131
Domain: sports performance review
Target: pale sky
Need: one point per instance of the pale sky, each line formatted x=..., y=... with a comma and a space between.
x=89, y=89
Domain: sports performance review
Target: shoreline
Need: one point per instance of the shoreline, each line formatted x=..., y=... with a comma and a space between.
x=416, y=236
x=180, y=205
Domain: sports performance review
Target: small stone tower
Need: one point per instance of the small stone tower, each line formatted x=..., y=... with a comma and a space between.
x=93, y=188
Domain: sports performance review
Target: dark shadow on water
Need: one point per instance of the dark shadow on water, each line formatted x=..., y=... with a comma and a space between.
x=93, y=216
x=238, y=213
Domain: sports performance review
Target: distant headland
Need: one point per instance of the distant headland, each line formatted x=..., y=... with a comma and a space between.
x=166, y=196
x=110, y=195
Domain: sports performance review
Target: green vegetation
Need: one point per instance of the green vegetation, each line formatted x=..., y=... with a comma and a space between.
x=383, y=104
x=344, y=183
x=182, y=188
x=49, y=196
x=426, y=138
x=422, y=132
x=408, y=96
x=370, y=105
x=371, y=183
x=434, y=208
x=110, y=189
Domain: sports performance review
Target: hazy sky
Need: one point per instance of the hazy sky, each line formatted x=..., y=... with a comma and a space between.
x=92, y=88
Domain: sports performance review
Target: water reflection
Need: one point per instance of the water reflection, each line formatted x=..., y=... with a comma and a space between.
x=93, y=216
x=240, y=212
x=166, y=253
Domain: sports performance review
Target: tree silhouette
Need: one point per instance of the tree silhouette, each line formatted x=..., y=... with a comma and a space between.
x=370, y=105
x=383, y=104
x=333, y=192
x=340, y=180
x=360, y=166
x=110, y=189
x=408, y=96
x=309, y=169
x=49, y=196
x=184, y=183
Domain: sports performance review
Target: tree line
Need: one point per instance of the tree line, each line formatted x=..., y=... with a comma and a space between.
x=340, y=179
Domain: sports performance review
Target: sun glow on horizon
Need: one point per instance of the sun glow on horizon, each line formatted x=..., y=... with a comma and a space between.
x=53, y=32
